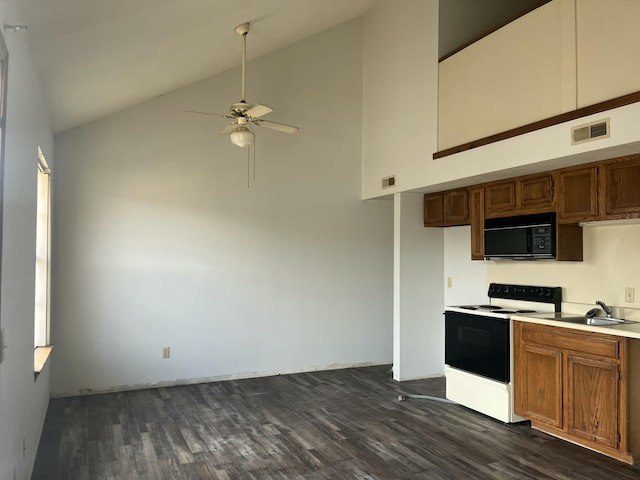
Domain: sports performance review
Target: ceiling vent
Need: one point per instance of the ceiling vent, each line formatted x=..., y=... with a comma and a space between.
x=388, y=182
x=590, y=131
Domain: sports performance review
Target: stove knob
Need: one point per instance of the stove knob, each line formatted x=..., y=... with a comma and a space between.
x=539, y=292
x=548, y=292
x=498, y=289
x=506, y=289
x=492, y=288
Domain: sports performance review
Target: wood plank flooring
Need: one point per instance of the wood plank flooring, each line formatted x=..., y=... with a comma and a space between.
x=340, y=424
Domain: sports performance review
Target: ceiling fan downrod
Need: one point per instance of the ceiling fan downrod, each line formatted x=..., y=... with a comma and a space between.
x=243, y=29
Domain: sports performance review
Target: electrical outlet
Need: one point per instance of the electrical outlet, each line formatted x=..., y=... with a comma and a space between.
x=449, y=282
x=166, y=352
x=629, y=294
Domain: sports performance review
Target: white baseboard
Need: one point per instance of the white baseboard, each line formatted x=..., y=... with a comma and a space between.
x=218, y=378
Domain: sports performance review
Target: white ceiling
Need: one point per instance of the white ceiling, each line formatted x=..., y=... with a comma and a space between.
x=96, y=57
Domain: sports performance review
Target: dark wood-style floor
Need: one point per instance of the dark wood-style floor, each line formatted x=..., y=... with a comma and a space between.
x=341, y=424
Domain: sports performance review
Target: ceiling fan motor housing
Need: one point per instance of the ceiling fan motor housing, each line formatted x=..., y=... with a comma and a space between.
x=243, y=28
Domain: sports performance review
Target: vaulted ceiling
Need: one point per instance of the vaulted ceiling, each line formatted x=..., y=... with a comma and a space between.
x=97, y=57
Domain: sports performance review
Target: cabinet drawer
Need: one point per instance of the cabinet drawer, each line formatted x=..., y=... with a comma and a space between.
x=591, y=344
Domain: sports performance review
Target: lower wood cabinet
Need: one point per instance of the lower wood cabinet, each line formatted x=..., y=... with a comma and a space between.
x=540, y=397
x=593, y=400
x=576, y=385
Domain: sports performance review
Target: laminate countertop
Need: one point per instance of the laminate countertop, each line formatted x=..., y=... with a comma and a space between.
x=629, y=329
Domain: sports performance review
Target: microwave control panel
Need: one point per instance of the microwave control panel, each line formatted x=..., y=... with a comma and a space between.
x=541, y=239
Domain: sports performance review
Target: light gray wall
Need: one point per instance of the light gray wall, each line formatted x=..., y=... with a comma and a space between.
x=418, y=292
x=159, y=242
x=23, y=401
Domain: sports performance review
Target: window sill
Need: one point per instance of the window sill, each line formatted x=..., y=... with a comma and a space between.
x=40, y=357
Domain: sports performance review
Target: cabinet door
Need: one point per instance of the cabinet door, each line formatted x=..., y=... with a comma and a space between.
x=539, y=385
x=433, y=210
x=620, y=189
x=476, y=217
x=536, y=193
x=592, y=400
x=500, y=198
x=456, y=207
x=577, y=195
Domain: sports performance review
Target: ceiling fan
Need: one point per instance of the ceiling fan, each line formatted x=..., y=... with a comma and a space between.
x=246, y=115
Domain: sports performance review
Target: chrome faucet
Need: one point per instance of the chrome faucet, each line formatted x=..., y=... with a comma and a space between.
x=604, y=306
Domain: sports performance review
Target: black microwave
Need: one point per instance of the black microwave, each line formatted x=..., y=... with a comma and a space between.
x=525, y=237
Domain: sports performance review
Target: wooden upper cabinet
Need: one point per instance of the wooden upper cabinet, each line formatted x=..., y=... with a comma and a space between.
x=606, y=190
x=535, y=192
x=446, y=209
x=500, y=198
x=476, y=219
x=456, y=207
x=520, y=196
x=578, y=195
x=433, y=210
x=620, y=189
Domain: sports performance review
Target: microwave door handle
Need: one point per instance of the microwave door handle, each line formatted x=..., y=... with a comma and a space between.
x=529, y=240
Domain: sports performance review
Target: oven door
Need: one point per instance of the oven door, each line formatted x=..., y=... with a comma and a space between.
x=477, y=344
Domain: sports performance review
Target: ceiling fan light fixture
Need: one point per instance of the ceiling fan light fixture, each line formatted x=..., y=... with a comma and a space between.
x=242, y=137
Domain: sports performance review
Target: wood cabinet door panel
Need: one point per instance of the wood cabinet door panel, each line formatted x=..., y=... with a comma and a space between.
x=541, y=395
x=433, y=210
x=577, y=195
x=621, y=189
x=500, y=198
x=592, y=400
x=456, y=207
x=536, y=192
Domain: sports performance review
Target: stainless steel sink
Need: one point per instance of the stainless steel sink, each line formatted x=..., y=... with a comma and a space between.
x=593, y=320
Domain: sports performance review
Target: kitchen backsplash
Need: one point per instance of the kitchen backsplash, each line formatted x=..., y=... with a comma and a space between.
x=611, y=264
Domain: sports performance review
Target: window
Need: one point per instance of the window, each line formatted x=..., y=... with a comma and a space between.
x=41, y=337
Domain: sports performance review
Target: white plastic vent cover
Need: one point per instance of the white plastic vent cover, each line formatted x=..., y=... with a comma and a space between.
x=590, y=131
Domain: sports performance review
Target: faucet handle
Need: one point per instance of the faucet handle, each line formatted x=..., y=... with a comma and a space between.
x=605, y=307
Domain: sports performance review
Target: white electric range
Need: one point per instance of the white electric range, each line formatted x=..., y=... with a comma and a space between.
x=479, y=346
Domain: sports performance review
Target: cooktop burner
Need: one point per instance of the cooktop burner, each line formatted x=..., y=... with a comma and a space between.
x=480, y=307
x=496, y=309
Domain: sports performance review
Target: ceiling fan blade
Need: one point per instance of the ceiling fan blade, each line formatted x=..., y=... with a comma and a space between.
x=258, y=111
x=229, y=129
x=223, y=115
x=280, y=127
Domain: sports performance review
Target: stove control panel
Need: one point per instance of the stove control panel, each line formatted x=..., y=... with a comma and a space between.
x=529, y=293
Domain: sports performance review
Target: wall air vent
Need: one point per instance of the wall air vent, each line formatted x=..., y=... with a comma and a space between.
x=590, y=131
x=388, y=182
